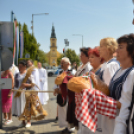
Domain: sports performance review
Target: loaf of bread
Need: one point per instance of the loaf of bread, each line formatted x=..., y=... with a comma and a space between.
x=77, y=84
x=99, y=84
x=59, y=79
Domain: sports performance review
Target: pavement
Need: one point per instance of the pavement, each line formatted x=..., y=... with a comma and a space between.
x=46, y=126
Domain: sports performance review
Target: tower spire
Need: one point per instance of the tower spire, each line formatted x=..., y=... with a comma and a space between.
x=53, y=35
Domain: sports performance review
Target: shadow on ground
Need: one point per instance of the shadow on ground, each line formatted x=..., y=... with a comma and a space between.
x=57, y=132
x=11, y=128
x=43, y=122
x=21, y=132
x=52, y=99
x=17, y=131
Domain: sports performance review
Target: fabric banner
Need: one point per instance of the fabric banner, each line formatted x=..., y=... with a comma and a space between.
x=17, y=45
x=21, y=44
x=15, y=37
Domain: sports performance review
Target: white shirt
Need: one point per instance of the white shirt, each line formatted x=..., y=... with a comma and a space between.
x=82, y=70
x=109, y=70
x=44, y=97
x=105, y=122
x=125, y=100
x=35, y=79
x=14, y=69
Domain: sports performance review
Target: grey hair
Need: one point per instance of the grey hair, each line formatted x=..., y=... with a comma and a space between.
x=66, y=60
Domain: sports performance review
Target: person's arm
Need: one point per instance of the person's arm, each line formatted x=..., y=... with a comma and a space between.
x=125, y=100
x=26, y=85
x=2, y=74
x=12, y=77
x=56, y=91
x=118, y=105
x=34, y=80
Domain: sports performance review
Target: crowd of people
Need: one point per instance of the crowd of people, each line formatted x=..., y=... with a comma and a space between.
x=25, y=106
x=113, y=63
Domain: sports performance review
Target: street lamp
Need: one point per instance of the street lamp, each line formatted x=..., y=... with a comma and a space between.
x=79, y=35
x=37, y=14
x=12, y=13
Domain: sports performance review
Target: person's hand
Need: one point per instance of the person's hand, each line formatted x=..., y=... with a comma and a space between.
x=56, y=91
x=87, y=73
x=23, y=85
x=10, y=93
x=118, y=105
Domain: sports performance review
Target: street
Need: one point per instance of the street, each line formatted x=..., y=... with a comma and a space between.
x=46, y=126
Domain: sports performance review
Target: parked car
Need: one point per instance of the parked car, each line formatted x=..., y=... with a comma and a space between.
x=51, y=71
x=58, y=70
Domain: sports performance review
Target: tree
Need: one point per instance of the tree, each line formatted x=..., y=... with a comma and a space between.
x=42, y=56
x=31, y=46
x=73, y=57
x=26, y=40
x=59, y=59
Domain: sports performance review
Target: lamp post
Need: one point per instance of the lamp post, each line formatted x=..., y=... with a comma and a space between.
x=79, y=35
x=37, y=14
x=12, y=13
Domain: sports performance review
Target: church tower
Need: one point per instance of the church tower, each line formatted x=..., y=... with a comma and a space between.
x=53, y=53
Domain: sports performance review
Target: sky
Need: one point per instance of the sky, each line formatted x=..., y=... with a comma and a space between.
x=94, y=19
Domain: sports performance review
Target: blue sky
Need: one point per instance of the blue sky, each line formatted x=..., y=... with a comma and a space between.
x=94, y=19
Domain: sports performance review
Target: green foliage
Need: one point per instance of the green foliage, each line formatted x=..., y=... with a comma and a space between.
x=59, y=59
x=20, y=59
x=31, y=46
x=42, y=56
x=71, y=55
x=35, y=63
x=26, y=59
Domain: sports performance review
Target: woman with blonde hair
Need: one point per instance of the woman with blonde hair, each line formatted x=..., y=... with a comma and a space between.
x=108, y=47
